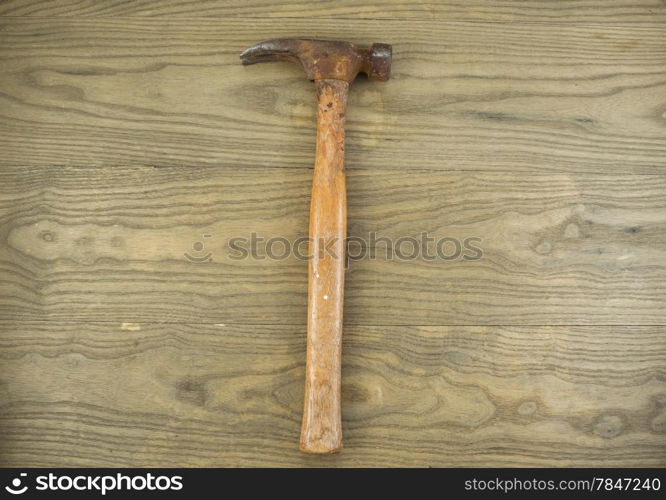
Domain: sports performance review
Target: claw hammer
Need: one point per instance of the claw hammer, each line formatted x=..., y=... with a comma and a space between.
x=333, y=66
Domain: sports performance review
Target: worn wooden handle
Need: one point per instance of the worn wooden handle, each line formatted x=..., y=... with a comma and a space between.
x=321, y=431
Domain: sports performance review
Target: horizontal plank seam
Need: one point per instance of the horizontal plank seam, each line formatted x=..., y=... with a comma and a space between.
x=302, y=325
x=350, y=170
x=414, y=20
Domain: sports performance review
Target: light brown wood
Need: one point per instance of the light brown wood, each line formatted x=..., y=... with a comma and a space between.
x=321, y=430
x=128, y=131
x=463, y=96
x=530, y=11
x=84, y=244
x=137, y=394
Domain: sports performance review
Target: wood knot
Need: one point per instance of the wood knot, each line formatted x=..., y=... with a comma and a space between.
x=608, y=426
x=48, y=236
x=527, y=408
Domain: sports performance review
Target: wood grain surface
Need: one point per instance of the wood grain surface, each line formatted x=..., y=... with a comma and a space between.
x=526, y=11
x=463, y=96
x=121, y=394
x=134, y=146
x=109, y=243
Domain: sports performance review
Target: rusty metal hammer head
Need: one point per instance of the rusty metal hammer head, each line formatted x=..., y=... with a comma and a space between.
x=325, y=60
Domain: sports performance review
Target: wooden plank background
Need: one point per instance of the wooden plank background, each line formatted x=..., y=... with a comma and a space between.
x=128, y=130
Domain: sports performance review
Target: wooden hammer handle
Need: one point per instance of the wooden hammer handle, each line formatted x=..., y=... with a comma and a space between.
x=321, y=431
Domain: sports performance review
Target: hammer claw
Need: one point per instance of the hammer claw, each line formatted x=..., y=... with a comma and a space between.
x=271, y=50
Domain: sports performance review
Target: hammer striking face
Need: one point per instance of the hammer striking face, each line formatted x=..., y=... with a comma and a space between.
x=332, y=66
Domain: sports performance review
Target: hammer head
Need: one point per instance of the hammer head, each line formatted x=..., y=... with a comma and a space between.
x=325, y=60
